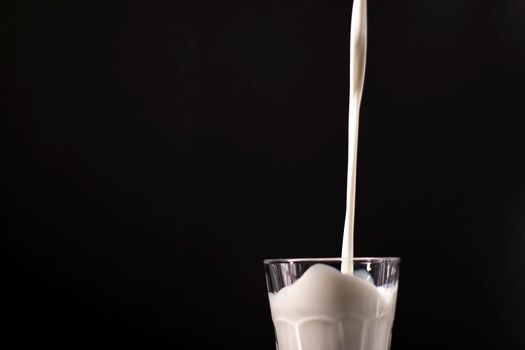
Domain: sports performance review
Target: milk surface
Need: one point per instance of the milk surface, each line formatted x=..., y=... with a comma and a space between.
x=328, y=310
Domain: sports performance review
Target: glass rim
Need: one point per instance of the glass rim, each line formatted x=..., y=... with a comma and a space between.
x=330, y=259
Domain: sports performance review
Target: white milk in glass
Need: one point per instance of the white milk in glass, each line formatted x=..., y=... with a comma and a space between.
x=329, y=310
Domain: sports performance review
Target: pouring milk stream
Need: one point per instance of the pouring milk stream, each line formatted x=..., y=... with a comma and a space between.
x=358, y=31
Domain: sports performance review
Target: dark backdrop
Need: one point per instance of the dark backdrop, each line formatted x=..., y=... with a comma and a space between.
x=156, y=152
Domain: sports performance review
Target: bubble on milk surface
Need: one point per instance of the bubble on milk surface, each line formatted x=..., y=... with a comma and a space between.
x=364, y=275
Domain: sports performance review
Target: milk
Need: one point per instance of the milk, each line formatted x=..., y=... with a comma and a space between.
x=358, y=43
x=328, y=309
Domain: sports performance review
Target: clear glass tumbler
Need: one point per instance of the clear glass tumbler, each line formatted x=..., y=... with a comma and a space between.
x=316, y=307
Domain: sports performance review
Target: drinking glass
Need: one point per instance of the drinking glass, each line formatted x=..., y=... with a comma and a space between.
x=314, y=306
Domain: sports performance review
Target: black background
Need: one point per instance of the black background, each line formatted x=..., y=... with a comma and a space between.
x=156, y=152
